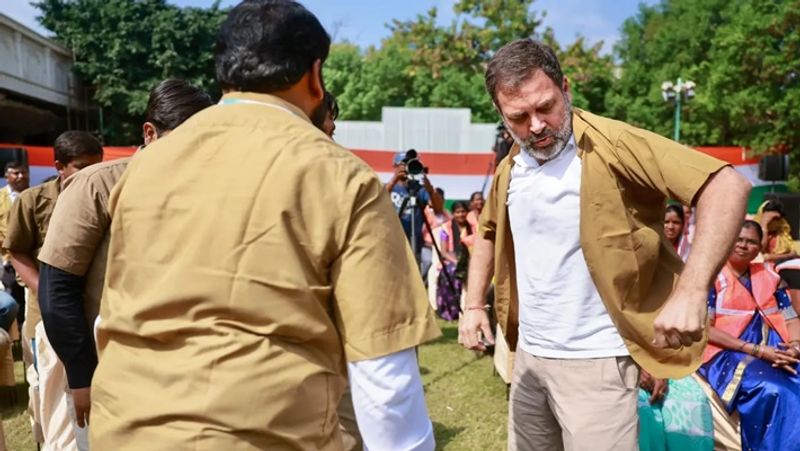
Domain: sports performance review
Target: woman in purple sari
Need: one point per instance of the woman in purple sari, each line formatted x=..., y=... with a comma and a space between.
x=456, y=236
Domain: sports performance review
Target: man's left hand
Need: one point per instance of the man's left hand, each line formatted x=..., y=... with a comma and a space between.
x=682, y=320
x=82, y=400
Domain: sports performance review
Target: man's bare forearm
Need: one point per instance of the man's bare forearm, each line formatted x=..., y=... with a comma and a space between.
x=27, y=270
x=481, y=269
x=720, y=212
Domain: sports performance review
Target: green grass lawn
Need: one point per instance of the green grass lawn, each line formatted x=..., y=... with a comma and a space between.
x=467, y=402
x=15, y=416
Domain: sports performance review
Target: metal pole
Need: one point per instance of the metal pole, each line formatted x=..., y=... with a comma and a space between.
x=414, y=246
x=678, y=95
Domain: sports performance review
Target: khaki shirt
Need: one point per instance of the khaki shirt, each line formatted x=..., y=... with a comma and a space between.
x=78, y=233
x=5, y=209
x=250, y=257
x=27, y=228
x=627, y=174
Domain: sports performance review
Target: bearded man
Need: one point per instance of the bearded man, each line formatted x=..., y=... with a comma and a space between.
x=586, y=283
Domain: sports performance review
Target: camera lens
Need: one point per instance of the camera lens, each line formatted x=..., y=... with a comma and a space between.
x=414, y=167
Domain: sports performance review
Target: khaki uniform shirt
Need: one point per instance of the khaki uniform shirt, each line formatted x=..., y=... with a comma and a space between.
x=627, y=174
x=5, y=209
x=250, y=257
x=27, y=228
x=78, y=233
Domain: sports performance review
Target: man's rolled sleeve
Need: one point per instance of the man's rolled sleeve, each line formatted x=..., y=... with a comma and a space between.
x=380, y=303
x=661, y=164
x=21, y=231
x=79, y=224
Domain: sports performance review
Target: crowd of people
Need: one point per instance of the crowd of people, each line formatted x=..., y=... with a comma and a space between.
x=162, y=306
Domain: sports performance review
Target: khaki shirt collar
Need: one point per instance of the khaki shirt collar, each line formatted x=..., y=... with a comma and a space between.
x=53, y=189
x=266, y=99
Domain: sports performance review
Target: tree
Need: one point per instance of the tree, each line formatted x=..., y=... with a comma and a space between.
x=590, y=74
x=423, y=64
x=754, y=75
x=741, y=54
x=123, y=48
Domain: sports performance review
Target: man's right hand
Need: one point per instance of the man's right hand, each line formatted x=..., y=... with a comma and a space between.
x=82, y=399
x=473, y=328
x=400, y=174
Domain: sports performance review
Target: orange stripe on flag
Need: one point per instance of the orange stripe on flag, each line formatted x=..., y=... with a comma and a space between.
x=444, y=163
x=437, y=162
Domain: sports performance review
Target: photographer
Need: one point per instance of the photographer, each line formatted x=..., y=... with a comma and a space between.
x=502, y=144
x=402, y=186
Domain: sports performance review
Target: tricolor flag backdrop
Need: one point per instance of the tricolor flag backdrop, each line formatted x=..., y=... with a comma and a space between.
x=461, y=174
x=458, y=174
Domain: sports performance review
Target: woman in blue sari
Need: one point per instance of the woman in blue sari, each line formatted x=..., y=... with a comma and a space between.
x=754, y=345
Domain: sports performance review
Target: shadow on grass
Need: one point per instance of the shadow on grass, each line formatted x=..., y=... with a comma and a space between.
x=449, y=334
x=447, y=374
x=445, y=434
x=423, y=371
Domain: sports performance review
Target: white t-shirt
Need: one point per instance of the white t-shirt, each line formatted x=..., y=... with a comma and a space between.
x=561, y=314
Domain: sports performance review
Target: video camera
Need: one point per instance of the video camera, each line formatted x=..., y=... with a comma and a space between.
x=414, y=166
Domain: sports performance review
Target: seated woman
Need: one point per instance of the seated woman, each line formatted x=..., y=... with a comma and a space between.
x=754, y=342
x=675, y=414
x=456, y=236
x=777, y=244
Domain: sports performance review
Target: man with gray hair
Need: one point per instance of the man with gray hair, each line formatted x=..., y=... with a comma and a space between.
x=587, y=287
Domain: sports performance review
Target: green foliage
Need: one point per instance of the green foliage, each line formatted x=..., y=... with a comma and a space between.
x=590, y=74
x=743, y=56
x=428, y=65
x=123, y=48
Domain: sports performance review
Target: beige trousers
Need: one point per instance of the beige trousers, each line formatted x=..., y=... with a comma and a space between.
x=56, y=415
x=32, y=377
x=573, y=404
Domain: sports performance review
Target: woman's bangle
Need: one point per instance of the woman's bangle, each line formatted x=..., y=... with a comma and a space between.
x=754, y=351
x=484, y=307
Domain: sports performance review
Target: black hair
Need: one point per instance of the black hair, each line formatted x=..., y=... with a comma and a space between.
x=457, y=204
x=73, y=144
x=472, y=196
x=440, y=191
x=519, y=60
x=774, y=205
x=331, y=106
x=678, y=210
x=15, y=165
x=268, y=45
x=750, y=224
x=172, y=102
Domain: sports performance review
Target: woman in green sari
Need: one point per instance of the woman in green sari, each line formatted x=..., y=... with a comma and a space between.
x=674, y=415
